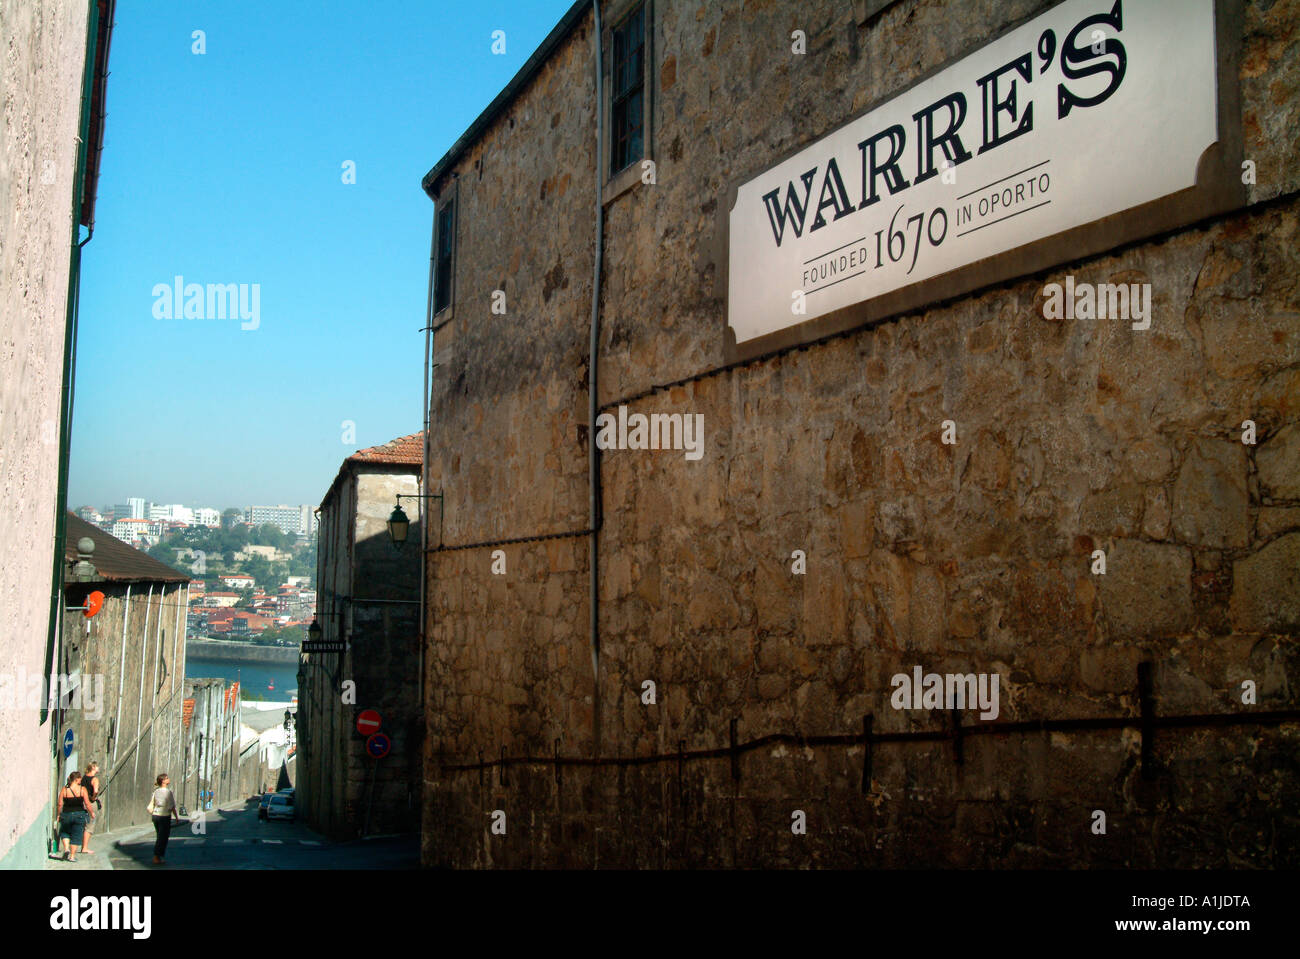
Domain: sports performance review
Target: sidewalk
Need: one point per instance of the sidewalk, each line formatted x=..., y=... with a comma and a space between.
x=101, y=843
x=105, y=844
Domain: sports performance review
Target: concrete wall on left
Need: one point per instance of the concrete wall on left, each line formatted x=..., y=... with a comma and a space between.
x=44, y=46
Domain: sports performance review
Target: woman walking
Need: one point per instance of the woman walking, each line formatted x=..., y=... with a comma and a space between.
x=90, y=783
x=73, y=810
x=162, y=806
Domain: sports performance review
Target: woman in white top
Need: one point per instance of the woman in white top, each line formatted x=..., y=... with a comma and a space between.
x=162, y=806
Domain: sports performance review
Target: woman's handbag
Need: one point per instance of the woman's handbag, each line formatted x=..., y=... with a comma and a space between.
x=151, y=807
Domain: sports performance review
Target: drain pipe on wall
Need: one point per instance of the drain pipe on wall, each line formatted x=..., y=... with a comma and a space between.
x=593, y=454
x=72, y=309
x=426, y=398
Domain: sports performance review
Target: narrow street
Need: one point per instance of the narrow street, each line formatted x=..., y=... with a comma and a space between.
x=234, y=838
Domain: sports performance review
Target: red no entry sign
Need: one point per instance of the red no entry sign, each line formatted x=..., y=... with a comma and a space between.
x=378, y=745
x=369, y=722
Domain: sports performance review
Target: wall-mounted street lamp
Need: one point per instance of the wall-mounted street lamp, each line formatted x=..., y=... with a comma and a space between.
x=313, y=631
x=398, y=522
x=398, y=525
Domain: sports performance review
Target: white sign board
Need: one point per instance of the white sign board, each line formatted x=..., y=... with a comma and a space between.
x=1092, y=108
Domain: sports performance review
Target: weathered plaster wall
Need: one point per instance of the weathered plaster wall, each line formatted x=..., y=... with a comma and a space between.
x=43, y=47
x=1073, y=435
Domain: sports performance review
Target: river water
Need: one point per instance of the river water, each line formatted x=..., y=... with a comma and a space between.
x=253, y=676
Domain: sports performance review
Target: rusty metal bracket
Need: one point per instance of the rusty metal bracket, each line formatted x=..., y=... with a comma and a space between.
x=735, y=753
x=867, y=721
x=1147, y=710
x=681, y=773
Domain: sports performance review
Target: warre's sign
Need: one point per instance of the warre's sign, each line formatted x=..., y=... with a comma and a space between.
x=1094, y=107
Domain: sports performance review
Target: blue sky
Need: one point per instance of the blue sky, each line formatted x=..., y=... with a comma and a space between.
x=227, y=167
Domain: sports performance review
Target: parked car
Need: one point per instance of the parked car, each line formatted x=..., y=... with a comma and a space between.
x=262, y=804
x=281, y=807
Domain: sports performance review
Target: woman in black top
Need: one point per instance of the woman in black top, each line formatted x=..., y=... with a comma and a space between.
x=90, y=782
x=74, y=811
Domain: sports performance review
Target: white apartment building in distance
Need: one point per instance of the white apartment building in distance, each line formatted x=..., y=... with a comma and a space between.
x=134, y=508
x=290, y=519
x=207, y=516
x=175, y=513
x=140, y=508
x=134, y=531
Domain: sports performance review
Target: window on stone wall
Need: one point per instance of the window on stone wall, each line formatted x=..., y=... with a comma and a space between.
x=445, y=247
x=627, y=93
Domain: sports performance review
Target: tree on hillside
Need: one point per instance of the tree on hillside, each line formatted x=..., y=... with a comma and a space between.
x=163, y=552
x=268, y=534
x=290, y=635
x=300, y=566
x=259, y=567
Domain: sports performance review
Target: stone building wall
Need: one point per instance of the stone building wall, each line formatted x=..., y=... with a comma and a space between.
x=367, y=591
x=133, y=651
x=385, y=662
x=210, y=751
x=1073, y=436
x=322, y=727
x=44, y=49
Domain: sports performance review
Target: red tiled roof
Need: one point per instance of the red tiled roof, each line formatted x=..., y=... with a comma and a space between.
x=115, y=560
x=255, y=621
x=405, y=451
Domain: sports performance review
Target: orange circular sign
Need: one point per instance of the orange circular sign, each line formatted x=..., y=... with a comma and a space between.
x=94, y=603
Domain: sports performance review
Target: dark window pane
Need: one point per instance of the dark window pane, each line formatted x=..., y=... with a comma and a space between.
x=442, y=274
x=627, y=74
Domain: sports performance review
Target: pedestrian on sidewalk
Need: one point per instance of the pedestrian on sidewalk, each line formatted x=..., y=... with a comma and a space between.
x=162, y=807
x=90, y=783
x=74, y=811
